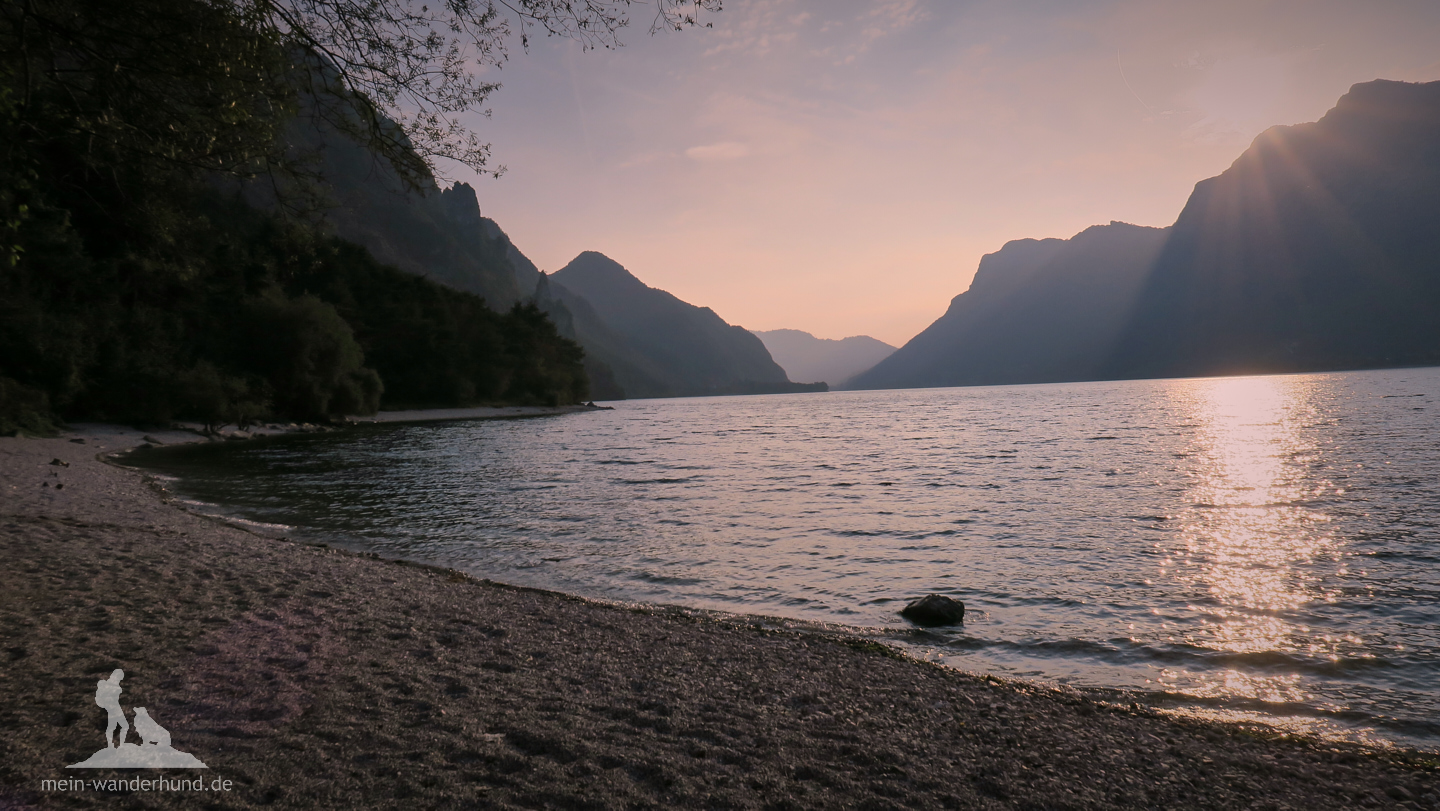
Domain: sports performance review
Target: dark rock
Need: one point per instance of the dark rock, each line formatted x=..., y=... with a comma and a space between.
x=935, y=609
x=78, y=441
x=59, y=463
x=1399, y=793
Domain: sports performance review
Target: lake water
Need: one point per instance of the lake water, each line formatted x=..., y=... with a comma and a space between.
x=1253, y=547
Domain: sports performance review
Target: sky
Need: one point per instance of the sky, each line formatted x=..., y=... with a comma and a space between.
x=841, y=166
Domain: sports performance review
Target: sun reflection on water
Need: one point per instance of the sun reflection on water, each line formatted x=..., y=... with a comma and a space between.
x=1251, y=532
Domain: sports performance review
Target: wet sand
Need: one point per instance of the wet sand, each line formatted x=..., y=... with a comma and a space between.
x=315, y=678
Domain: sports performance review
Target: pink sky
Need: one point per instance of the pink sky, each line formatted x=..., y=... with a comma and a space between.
x=840, y=166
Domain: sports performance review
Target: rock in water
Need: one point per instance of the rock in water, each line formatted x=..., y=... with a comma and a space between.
x=935, y=609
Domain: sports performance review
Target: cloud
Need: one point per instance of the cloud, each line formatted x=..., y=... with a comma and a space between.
x=890, y=16
x=758, y=27
x=782, y=29
x=723, y=151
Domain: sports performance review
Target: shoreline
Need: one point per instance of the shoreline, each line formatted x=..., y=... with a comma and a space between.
x=314, y=677
x=476, y=413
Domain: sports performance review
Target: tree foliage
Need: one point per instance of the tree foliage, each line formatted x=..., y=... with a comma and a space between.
x=309, y=355
x=206, y=84
x=266, y=319
x=130, y=289
x=415, y=63
x=163, y=84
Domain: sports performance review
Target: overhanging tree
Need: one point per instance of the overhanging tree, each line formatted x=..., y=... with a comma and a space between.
x=125, y=292
x=412, y=63
x=204, y=84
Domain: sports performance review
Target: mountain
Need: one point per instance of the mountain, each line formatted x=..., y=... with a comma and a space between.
x=1037, y=310
x=527, y=275
x=661, y=346
x=246, y=316
x=617, y=369
x=805, y=357
x=430, y=232
x=1316, y=250
x=441, y=234
x=152, y=278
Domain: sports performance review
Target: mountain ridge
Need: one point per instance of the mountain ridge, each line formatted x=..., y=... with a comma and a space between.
x=687, y=349
x=834, y=361
x=1315, y=250
x=1037, y=310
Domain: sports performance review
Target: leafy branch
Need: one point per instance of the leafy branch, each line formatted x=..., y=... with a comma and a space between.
x=415, y=64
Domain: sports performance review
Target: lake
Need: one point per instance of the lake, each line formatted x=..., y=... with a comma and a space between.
x=1255, y=547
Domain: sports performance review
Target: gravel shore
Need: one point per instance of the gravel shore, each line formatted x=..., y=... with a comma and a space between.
x=314, y=678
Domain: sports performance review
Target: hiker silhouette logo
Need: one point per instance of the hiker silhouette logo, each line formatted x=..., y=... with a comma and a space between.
x=153, y=751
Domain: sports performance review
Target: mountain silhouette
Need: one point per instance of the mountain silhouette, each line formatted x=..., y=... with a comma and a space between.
x=1037, y=310
x=1316, y=250
x=431, y=232
x=659, y=345
x=441, y=234
x=805, y=357
x=617, y=368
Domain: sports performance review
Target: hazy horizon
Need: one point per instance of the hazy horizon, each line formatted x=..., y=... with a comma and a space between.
x=840, y=168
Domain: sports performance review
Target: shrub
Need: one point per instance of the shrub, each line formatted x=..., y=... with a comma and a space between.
x=309, y=356
x=24, y=409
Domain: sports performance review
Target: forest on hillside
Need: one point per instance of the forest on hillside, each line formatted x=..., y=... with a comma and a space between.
x=136, y=285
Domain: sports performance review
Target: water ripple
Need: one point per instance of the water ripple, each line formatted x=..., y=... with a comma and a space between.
x=1261, y=545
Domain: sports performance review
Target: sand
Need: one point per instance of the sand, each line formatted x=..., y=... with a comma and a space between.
x=308, y=677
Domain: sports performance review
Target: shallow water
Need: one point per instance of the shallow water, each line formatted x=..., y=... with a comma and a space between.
x=1261, y=545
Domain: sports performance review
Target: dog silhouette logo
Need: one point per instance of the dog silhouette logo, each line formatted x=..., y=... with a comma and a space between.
x=153, y=751
x=149, y=731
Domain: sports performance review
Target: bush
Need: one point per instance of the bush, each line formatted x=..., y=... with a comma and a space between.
x=207, y=394
x=309, y=356
x=24, y=409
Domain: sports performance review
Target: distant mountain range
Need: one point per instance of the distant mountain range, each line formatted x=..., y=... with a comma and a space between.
x=1317, y=249
x=658, y=345
x=805, y=357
